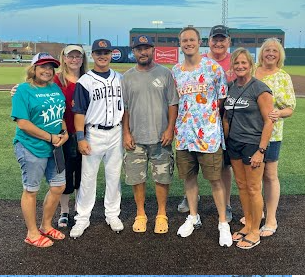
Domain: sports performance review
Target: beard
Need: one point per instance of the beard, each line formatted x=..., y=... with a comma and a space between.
x=145, y=63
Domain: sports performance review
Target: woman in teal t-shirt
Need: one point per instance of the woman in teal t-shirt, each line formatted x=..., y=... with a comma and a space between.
x=38, y=108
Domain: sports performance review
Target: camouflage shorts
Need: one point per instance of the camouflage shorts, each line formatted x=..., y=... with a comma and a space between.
x=160, y=158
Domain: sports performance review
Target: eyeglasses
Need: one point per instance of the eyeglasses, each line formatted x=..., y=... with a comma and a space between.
x=71, y=58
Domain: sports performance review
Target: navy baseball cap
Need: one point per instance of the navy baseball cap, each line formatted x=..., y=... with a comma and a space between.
x=219, y=30
x=43, y=58
x=142, y=40
x=101, y=44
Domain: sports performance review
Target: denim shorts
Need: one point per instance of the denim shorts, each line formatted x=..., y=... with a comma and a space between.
x=33, y=169
x=273, y=151
x=136, y=164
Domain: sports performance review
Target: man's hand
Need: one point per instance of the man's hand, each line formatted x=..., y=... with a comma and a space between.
x=128, y=141
x=84, y=147
x=167, y=137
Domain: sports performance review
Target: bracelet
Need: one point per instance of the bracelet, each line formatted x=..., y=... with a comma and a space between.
x=51, y=138
x=80, y=135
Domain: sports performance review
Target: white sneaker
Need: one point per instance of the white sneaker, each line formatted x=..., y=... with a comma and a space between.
x=115, y=224
x=78, y=229
x=183, y=207
x=225, y=236
x=192, y=222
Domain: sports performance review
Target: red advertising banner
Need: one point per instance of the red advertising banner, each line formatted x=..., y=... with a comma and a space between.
x=166, y=55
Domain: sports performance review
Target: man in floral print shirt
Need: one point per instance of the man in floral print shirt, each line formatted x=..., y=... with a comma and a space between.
x=201, y=85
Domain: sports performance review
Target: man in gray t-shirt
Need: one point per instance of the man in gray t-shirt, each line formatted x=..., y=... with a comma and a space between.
x=150, y=100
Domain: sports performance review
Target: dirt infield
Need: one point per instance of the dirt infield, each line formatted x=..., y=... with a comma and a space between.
x=297, y=80
x=101, y=251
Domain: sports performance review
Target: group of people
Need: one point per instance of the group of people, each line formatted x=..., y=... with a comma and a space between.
x=208, y=103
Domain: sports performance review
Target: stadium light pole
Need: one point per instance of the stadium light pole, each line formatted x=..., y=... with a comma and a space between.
x=89, y=32
x=157, y=22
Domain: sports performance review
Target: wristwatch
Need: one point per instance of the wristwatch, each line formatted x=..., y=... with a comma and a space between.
x=262, y=150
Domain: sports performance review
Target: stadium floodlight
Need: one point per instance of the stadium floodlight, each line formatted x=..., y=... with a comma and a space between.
x=157, y=22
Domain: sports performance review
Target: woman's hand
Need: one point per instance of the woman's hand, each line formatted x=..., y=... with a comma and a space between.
x=13, y=90
x=257, y=159
x=60, y=139
x=274, y=115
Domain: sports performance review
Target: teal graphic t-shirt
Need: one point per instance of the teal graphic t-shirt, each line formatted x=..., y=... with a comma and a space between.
x=44, y=107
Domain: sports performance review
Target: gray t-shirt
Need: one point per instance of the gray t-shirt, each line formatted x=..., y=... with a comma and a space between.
x=247, y=123
x=147, y=96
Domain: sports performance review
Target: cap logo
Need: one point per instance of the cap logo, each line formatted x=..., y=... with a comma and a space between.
x=103, y=44
x=143, y=39
x=43, y=55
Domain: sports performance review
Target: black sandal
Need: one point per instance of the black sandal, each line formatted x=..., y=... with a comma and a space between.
x=63, y=220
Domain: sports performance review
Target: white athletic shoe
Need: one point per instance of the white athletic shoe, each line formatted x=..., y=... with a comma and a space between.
x=225, y=236
x=192, y=222
x=183, y=207
x=78, y=229
x=115, y=224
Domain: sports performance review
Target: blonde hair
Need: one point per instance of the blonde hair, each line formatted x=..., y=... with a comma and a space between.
x=63, y=69
x=279, y=46
x=31, y=75
x=237, y=52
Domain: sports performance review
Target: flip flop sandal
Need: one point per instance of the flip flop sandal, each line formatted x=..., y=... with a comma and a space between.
x=139, y=225
x=63, y=220
x=40, y=242
x=240, y=234
x=267, y=229
x=53, y=233
x=161, y=225
x=251, y=244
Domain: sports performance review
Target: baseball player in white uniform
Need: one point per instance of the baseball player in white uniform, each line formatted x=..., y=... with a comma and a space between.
x=98, y=108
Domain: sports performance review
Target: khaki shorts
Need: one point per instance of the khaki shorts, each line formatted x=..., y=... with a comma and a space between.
x=136, y=164
x=210, y=163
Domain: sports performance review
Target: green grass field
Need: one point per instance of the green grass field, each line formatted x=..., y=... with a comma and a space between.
x=291, y=165
x=16, y=74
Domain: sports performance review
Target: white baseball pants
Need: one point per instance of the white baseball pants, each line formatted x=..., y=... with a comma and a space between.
x=106, y=146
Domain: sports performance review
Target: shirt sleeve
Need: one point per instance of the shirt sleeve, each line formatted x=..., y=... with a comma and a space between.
x=287, y=100
x=81, y=99
x=125, y=92
x=172, y=94
x=20, y=105
x=222, y=83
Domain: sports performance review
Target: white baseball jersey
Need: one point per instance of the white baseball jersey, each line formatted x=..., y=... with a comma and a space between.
x=99, y=99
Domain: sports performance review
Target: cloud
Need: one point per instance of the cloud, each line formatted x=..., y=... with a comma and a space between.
x=18, y=5
x=288, y=15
